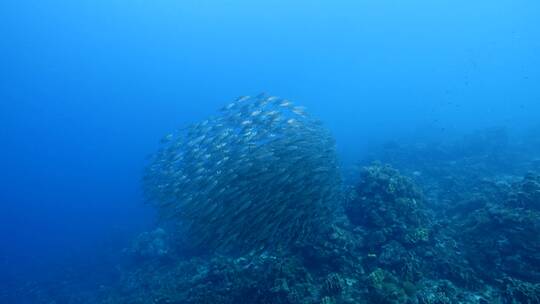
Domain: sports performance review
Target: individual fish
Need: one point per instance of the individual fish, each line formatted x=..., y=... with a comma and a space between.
x=167, y=138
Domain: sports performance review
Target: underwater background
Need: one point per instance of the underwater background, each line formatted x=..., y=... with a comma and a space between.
x=444, y=92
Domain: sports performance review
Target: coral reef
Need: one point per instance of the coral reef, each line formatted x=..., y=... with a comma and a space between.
x=390, y=206
x=220, y=279
x=428, y=225
x=412, y=261
x=502, y=239
x=390, y=212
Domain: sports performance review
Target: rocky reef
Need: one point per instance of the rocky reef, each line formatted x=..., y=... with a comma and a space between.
x=390, y=207
x=427, y=224
x=502, y=238
x=397, y=251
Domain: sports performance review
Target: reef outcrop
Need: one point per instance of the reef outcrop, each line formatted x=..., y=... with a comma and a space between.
x=502, y=239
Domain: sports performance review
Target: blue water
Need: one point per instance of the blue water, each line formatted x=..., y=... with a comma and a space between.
x=87, y=88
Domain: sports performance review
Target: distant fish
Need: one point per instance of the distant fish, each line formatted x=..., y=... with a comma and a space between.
x=242, y=98
x=167, y=138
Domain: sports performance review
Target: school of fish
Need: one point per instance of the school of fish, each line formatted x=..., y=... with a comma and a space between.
x=262, y=174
